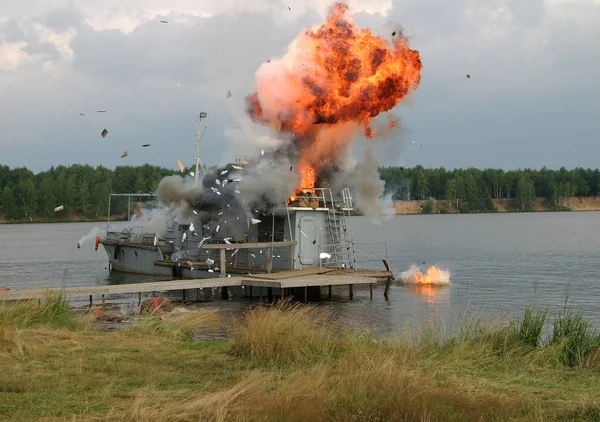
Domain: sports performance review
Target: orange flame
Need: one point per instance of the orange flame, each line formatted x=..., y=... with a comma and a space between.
x=433, y=275
x=332, y=75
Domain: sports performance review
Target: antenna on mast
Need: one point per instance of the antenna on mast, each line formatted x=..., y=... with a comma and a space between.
x=199, y=133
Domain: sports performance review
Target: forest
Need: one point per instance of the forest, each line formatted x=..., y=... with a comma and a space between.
x=83, y=190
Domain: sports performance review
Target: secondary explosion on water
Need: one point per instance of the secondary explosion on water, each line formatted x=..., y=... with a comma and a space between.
x=332, y=82
x=433, y=276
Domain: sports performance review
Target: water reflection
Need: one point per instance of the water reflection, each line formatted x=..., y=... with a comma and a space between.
x=429, y=293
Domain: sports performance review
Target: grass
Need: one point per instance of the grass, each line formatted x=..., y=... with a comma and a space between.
x=290, y=362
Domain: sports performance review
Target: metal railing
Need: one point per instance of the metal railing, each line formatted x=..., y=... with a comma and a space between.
x=128, y=195
x=356, y=257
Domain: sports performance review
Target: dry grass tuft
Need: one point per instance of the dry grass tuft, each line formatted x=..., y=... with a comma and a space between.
x=176, y=325
x=284, y=332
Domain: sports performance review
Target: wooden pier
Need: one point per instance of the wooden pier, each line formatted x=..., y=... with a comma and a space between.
x=310, y=277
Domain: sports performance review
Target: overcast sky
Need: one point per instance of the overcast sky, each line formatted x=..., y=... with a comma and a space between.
x=533, y=98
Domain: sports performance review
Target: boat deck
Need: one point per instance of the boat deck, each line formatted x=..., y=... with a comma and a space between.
x=311, y=277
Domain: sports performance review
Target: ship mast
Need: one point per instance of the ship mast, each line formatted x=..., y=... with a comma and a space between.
x=199, y=133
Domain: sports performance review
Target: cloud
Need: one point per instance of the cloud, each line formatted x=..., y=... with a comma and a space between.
x=529, y=100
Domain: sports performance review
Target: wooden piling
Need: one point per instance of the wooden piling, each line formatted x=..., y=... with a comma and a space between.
x=103, y=300
x=250, y=291
x=305, y=294
x=269, y=261
x=183, y=295
x=351, y=291
x=329, y=293
x=222, y=263
x=90, y=301
x=198, y=294
x=387, y=287
x=224, y=293
x=371, y=291
x=269, y=293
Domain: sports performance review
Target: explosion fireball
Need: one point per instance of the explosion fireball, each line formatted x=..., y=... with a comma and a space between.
x=333, y=80
x=433, y=276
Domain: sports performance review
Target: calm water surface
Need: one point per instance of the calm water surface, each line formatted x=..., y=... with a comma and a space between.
x=498, y=262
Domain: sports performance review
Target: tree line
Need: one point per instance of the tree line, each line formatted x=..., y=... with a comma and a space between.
x=84, y=189
x=474, y=189
x=80, y=189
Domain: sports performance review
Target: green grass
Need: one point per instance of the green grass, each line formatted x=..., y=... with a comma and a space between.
x=289, y=362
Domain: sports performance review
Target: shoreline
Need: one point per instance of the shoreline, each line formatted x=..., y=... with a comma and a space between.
x=288, y=361
x=574, y=204
x=403, y=207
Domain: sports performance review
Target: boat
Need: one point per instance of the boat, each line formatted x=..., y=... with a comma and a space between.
x=311, y=229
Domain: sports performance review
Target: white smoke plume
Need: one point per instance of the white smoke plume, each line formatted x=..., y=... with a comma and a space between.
x=96, y=231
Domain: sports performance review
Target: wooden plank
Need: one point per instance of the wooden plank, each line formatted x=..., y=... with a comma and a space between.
x=361, y=273
x=122, y=288
x=280, y=275
x=308, y=281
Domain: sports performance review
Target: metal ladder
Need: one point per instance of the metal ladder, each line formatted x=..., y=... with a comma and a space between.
x=341, y=236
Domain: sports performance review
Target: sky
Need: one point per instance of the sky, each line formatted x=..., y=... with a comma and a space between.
x=533, y=98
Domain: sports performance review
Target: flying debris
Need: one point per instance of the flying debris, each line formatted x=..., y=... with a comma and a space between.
x=192, y=173
x=101, y=111
x=81, y=114
x=262, y=152
x=224, y=172
x=289, y=8
x=218, y=182
x=59, y=208
x=104, y=133
x=192, y=227
x=324, y=255
x=183, y=237
x=237, y=167
x=164, y=22
x=180, y=164
x=125, y=154
x=155, y=240
x=209, y=262
x=228, y=93
x=255, y=221
x=468, y=76
x=394, y=34
x=146, y=145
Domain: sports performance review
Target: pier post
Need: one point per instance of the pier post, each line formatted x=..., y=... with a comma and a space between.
x=224, y=291
x=250, y=291
x=90, y=301
x=292, y=251
x=329, y=293
x=305, y=294
x=103, y=299
x=371, y=291
x=198, y=294
x=183, y=294
x=269, y=261
x=222, y=263
x=269, y=294
x=387, y=287
x=351, y=291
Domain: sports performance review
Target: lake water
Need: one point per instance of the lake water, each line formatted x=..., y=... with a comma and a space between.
x=497, y=262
